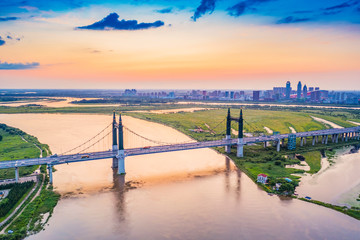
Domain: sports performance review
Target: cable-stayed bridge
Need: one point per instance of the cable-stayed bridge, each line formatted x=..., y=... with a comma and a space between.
x=114, y=134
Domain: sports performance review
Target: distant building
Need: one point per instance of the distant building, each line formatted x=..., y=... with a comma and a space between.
x=317, y=88
x=305, y=91
x=232, y=95
x=256, y=96
x=299, y=90
x=311, y=89
x=262, y=178
x=288, y=90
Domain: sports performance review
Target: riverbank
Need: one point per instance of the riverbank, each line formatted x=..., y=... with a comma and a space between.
x=23, y=218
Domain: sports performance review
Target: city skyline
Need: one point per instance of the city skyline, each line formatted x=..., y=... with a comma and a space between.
x=182, y=45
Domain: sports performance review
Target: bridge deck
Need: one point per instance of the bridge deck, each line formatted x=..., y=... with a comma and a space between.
x=164, y=148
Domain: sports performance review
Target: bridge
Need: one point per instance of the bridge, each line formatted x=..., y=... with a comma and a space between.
x=118, y=153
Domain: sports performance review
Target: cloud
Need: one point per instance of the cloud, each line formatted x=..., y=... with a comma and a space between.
x=240, y=8
x=18, y=66
x=292, y=19
x=340, y=6
x=111, y=22
x=165, y=10
x=5, y=19
x=205, y=6
x=2, y=42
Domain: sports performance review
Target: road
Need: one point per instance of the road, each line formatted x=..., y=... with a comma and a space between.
x=62, y=159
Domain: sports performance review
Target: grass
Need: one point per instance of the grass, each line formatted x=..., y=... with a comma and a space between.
x=353, y=212
x=313, y=159
x=255, y=121
x=17, y=204
x=13, y=147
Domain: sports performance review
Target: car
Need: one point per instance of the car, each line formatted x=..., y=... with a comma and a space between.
x=146, y=147
x=55, y=155
x=84, y=156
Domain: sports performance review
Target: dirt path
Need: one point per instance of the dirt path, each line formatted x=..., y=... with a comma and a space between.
x=18, y=207
x=333, y=125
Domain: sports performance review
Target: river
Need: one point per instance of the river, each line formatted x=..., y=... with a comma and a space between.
x=195, y=194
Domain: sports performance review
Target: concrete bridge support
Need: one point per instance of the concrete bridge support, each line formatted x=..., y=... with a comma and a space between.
x=228, y=147
x=121, y=162
x=278, y=146
x=322, y=139
x=358, y=136
x=301, y=141
x=240, y=148
x=283, y=142
x=16, y=174
x=317, y=139
x=305, y=140
x=313, y=140
x=50, y=173
x=265, y=144
x=337, y=138
x=346, y=137
x=326, y=139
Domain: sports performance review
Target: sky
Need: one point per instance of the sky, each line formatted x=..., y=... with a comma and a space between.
x=179, y=44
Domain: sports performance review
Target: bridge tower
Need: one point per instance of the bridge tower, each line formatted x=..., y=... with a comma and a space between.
x=114, y=141
x=240, y=145
x=228, y=131
x=121, y=156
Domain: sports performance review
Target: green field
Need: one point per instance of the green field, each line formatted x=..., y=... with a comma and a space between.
x=16, y=144
x=255, y=121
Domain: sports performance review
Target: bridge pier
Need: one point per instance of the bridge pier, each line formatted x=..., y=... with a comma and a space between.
x=346, y=137
x=358, y=136
x=305, y=140
x=228, y=147
x=301, y=141
x=326, y=139
x=322, y=139
x=121, y=162
x=240, y=148
x=50, y=174
x=313, y=140
x=265, y=144
x=337, y=138
x=16, y=174
x=316, y=138
x=278, y=146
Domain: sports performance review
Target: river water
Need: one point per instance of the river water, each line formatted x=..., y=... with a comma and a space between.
x=195, y=194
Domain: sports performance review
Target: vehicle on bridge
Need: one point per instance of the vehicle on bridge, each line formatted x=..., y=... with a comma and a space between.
x=146, y=147
x=84, y=156
x=55, y=155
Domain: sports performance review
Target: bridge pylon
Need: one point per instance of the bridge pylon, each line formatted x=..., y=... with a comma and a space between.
x=240, y=145
x=121, y=153
x=114, y=141
x=228, y=131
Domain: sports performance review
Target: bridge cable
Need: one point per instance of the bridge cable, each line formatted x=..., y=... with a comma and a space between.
x=87, y=140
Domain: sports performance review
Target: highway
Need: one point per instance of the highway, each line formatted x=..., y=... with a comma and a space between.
x=65, y=159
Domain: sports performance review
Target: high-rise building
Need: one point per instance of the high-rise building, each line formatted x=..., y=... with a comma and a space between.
x=256, y=96
x=317, y=88
x=305, y=91
x=288, y=89
x=299, y=90
x=311, y=89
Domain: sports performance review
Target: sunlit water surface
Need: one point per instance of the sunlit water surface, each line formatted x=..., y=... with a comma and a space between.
x=195, y=194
